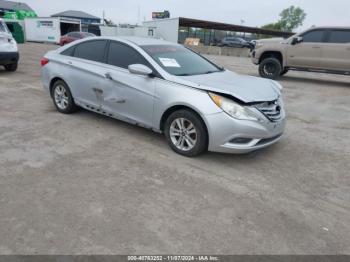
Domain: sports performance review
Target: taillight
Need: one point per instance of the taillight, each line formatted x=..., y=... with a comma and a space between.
x=44, y=61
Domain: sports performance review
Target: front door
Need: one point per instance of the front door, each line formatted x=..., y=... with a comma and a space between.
x=308, y=53
x=127, y=95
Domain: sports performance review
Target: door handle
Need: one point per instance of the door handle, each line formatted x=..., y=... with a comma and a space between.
x=316, y=47
x=108, y=76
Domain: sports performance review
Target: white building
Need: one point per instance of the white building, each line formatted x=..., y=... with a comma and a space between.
x=166, y=29
x=140, y=31
x=49, y=29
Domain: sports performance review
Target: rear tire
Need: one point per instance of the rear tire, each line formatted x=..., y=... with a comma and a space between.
x=11, y=67
x=186, y=133
x=62, y=98
x=270, y=68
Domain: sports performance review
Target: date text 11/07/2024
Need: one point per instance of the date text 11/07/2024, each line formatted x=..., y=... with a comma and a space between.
x=173, y=258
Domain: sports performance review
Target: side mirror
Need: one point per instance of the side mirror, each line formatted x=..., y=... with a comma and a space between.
x=139, y=69
x=297, y=40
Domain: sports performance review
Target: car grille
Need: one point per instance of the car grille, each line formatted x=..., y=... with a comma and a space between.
x=272, y=110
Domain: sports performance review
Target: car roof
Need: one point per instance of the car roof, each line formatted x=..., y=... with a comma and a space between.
x=330, y=27
x=141, y=41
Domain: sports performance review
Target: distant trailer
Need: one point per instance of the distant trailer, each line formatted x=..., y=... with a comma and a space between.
x=50, y=29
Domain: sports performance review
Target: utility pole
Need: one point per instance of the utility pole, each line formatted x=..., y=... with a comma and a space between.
x=242, y=23
x=138, y=14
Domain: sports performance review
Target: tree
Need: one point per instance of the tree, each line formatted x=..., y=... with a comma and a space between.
x=273, y=26
x=290, y=19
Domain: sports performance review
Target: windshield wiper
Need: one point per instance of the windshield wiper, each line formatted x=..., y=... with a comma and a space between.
x=210, y=72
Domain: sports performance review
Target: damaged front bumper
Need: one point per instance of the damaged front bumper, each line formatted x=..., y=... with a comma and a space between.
x=229, y=135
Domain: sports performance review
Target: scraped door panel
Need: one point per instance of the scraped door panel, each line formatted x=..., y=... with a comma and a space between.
x=125, y=94
x=129, y=96
x=86, y=72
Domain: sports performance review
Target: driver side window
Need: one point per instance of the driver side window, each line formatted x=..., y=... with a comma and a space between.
x=315, y=36
x=121, y=55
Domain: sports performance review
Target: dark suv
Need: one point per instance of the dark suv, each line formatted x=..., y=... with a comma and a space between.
x=235, y=42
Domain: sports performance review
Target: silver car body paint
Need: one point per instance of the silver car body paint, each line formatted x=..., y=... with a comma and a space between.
x=143, y=100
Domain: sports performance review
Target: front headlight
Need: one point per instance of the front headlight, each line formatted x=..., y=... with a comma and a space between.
x=233, y=109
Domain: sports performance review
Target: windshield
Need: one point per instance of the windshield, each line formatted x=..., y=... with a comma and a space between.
x=180, y=61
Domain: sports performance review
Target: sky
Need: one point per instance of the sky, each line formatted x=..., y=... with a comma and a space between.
x=253, y=12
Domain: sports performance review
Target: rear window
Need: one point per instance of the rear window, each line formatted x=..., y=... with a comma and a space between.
x=3, y=27
x=91, y=50
x=339, y=36
x=69, y=51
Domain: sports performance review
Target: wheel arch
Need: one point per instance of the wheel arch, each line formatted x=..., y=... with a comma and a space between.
x=175, y=108
x=275, y=54
x=53, y=81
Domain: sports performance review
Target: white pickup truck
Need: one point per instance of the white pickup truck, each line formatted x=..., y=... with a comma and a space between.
x=8, y=48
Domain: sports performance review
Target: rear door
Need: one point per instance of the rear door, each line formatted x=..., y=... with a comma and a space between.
x=85, y=72
x=336, y=53
x=127, y=95
x=307, y=54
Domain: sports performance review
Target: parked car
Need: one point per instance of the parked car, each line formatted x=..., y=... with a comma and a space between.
x=168, y=88
x=324, y=49
x=235, y=42
x=73, y=36
x=8, y=48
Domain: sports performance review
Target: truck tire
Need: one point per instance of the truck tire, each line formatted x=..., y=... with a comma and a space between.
x=11, y=67
x=270, y=68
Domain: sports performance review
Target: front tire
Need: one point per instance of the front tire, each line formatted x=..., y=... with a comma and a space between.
x=270, y=68
x=62, y=98
x=11, y=67
x=186, y=133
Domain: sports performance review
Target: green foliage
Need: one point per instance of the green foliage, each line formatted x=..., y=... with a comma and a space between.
x=290, y=19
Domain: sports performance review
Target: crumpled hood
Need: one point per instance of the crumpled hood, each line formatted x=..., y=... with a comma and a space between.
x=245, y=88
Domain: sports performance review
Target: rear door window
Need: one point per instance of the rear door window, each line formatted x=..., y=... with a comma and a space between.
x=339, y=36
x=3, y=28
x=91, y=50
x=315, y=36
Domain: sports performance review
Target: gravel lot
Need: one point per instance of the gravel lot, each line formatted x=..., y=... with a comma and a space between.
x=87, y=184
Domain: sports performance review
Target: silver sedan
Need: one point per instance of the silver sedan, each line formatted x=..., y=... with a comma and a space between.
x=168, y=88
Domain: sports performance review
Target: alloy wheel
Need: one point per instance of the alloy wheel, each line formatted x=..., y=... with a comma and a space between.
x=183, y=134
x=61, y=97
